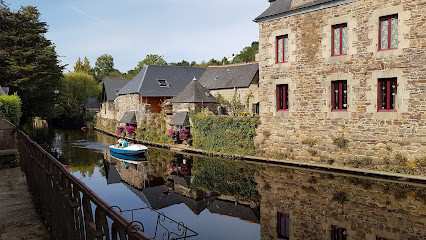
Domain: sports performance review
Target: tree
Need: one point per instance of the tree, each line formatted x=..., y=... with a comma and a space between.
x=75, y=88
x=28, y=62
x=150, y=59
x=103, y=67
x=86, y=66
x=78, y=67
x=224, y=61
x=248, y=54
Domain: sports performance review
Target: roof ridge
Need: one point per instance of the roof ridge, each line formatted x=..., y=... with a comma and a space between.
x=173, y=66
x=235, y=64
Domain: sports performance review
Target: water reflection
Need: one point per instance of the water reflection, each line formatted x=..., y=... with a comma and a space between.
x=243, y=200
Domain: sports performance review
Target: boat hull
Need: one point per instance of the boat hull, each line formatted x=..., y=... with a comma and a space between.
x=129, y=158
x=131, y=150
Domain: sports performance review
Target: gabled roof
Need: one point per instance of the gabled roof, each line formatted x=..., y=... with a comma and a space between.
x=229, y=76
x=148, y=81
x=194, y=92
x=92, y=103
x=283, y=8
x=230, y=209
x=129, y=117
x=111, y=88
x=181, y=118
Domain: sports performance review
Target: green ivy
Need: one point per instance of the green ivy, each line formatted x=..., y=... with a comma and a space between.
x=154, y=129
x=10, y=108
x=226, y=177
x=224, y=134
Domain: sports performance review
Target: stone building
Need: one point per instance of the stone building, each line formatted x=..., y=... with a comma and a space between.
x=110, y=88
x=153, y=85
x=343, y=67
x=235, y=81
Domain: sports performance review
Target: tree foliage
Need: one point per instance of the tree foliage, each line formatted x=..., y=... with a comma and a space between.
x=104, y=66
x=28, y=62
x=75, y=89
x=150, y=59
x=248, y=54
x=10, y=107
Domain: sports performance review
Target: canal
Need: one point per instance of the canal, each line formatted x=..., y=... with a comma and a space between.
x=232, y=199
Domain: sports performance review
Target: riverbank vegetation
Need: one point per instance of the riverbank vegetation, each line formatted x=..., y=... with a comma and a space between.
x=10, y=108
x=224, y=134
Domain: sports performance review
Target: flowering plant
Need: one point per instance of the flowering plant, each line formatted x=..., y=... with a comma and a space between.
x=119, y=130
x=171, y=132
x=130, y=129
x=184, y=134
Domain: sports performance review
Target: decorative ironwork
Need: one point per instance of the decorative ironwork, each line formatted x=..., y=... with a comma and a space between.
x=66, y=203
x=183, y=232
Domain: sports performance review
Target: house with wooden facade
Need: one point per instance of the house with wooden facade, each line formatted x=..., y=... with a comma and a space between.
x=148, y=91
x=352, y=70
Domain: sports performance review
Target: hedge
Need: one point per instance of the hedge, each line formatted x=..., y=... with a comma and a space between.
x=10, y=107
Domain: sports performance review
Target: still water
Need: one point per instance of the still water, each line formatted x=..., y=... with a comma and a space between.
x=231, y=199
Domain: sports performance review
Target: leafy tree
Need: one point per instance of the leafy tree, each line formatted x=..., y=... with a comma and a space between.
x=86, y=66
x=224, y=61
x=117, y=74
x=103, y=67
x=75, y=89
x=150, y=59
x=78, y=67
x=248, y=54
x=183, y=63
x=28, y=62
x=10, y=107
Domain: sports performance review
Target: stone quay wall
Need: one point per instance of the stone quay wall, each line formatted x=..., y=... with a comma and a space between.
x=311, y=68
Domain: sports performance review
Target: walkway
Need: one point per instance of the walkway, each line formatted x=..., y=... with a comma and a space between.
x=18, y=217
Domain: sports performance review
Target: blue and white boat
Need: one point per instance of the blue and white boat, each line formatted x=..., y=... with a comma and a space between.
x=132, y=149
x=127, y=158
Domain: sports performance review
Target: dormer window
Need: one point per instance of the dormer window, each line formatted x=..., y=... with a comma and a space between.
x=116, y=91
x=163, y=83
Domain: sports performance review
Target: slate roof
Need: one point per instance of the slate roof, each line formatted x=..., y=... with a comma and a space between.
x=194, y=92
x=156, y=197
x=147, y=85
x=282, y=8
x=92, y=103
x=129, y=117
x=229, y=76
x=2, y=92
x=181, y=118
x=110, y=86
x=230, y=209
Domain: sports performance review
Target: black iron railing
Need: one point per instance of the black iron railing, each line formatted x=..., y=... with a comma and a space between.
x=70, y=208
x=178, y=230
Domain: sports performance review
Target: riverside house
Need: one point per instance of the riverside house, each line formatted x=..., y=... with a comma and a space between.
x=148, y=91
x=346, y=74
x=110, y=90
x=235, y=81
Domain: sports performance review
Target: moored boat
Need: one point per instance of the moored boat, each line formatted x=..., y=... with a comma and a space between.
x=132, y=149
x=135, y=159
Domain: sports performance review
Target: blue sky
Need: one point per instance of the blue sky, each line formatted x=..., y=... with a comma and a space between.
x=193, y=30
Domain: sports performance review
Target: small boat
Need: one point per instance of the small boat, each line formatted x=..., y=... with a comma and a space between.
x=132, y=149
x=83, y=129
x=135, y=159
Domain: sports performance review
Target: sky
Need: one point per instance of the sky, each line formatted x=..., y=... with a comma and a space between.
x=191, y=30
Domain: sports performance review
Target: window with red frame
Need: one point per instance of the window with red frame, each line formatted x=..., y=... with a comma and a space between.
x=283, y=225
x=282, y=97
x=382, y=238
x=387, y=94
x=339, y=95
x=282, y=49
x=388, y=32
x=339, y=39
x=338, y=233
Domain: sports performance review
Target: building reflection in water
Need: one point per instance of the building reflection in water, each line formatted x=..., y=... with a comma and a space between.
x=302, y=204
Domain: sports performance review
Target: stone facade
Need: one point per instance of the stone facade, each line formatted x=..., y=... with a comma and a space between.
x=8, y=135
x=314, y=201
x=311, y=68
x=241, y=94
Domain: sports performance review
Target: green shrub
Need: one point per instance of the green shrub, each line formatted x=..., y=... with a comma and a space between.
x=309, y=141
x=340, y=142
x=154, y=128
x=10, y=108
x=224, y=134
x=225, y=176
x=355, y=162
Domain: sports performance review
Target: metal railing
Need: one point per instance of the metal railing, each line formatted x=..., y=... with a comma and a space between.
x=70, y=208
x=161, y=230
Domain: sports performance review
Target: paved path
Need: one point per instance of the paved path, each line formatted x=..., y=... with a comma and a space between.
x=18, y=218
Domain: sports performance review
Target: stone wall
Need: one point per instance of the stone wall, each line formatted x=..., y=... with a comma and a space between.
x=108, y=110
x=241, y=95
x=311, y=68
x=196, y=107
x=314, y=201
x=7, y=135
